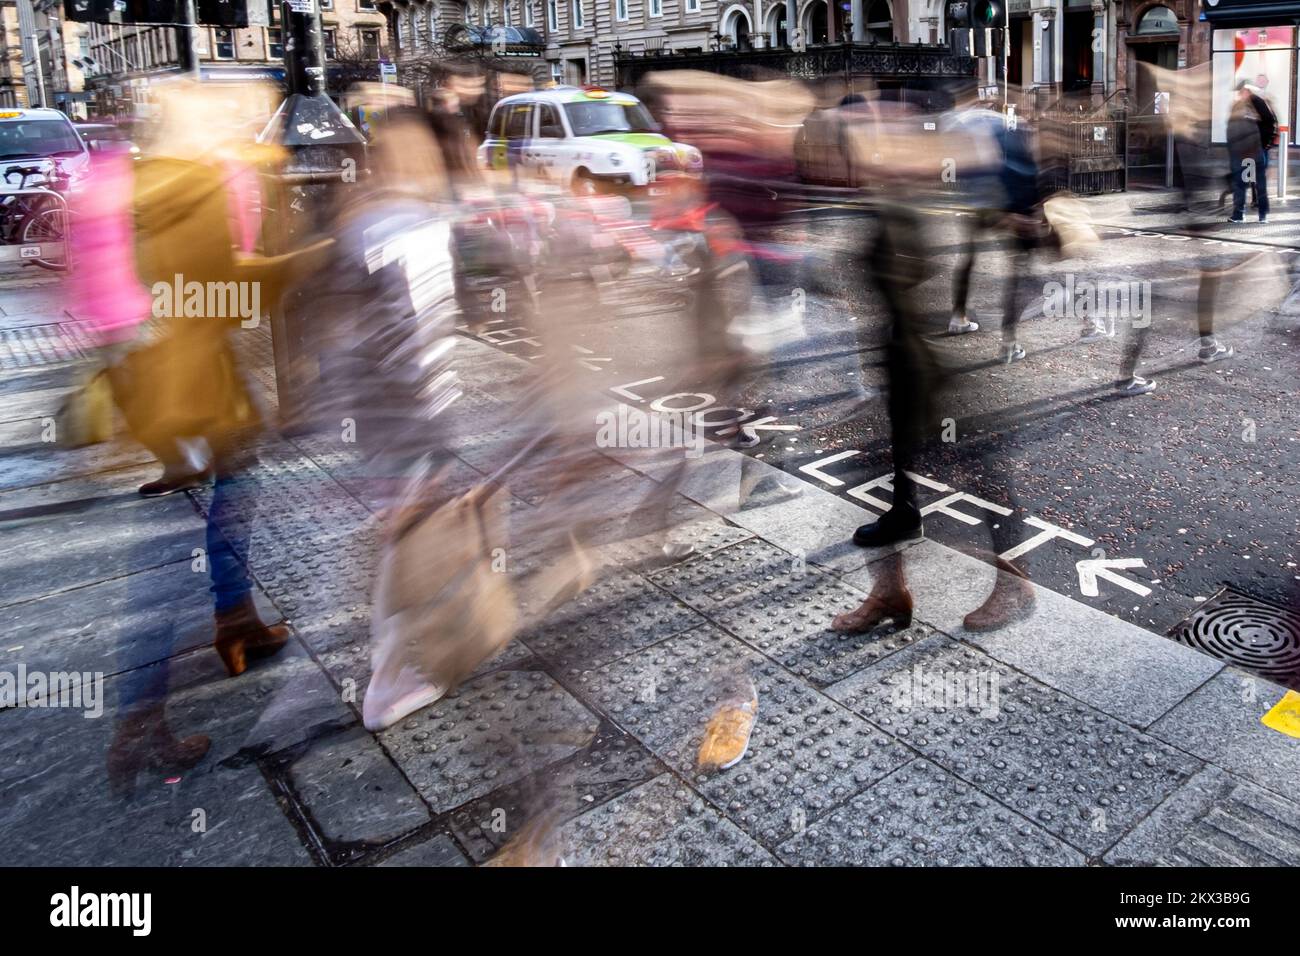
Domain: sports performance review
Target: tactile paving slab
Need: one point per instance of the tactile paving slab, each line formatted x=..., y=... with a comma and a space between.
x=660, y=823
x=611, y=764
x=921, y=815
x=1071, y=769
x=492, y=731
x=788, y=617
x=806, y=753
x=711, y=581
x=611, y=619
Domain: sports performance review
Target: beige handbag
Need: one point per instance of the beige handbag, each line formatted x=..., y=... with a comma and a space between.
x=443, y=603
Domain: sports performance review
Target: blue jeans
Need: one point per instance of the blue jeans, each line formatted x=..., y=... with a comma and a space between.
x=1239, y=182
x=229, y=528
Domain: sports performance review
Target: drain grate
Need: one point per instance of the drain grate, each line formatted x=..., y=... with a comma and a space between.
x=37, y=345
x=1251, y=634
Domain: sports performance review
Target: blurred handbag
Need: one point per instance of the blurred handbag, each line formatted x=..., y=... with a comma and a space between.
x=185, y=385
x=443, y=603
x=86, y=416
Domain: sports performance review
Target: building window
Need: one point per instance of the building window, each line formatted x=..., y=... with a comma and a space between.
x=370, y=44
x=692, y=6
x=274, y=44
x=225, y=43
x=557, y=72
x=577, y=14
x=366, y=5
x=327, y=4
x=620, y=9
x=400, y=23
x=656, y=8
x=331, y=44
x=552, y=16
x=529, y=18
x=433, y=24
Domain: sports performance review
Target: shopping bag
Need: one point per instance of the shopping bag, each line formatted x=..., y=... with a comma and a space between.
x=86, y=416
x=442, y=604
x=185, y=385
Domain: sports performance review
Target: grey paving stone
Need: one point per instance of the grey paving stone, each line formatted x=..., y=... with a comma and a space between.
x=107, y=489
x=805, y=752
x=105, y=541
x=1060, y=763
x=227, y=817
x=611, y=764
x=1220, y=723
x=783, y=607
x=116, y=625
x=440, y=850
x=1215, y=819
x=351, y=793
x=921, y=815
x=490, y=732
x=728, y=576
x=29, y=461
x=1117, y=667
x=34, y=404
x=660, y=823
x=616, y=616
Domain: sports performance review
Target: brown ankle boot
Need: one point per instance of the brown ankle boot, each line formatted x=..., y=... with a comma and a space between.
x=242, y=636
x=1012, y=598
x=143, y=742
x=894, y=605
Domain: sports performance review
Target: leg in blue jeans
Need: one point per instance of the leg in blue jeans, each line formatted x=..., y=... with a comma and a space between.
x=228, y=532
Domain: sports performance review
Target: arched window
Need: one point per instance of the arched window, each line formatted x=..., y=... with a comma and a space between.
x=818, y=23
x=736, y=28
x=880, y=22
x=1157, y=20
x=778, y=32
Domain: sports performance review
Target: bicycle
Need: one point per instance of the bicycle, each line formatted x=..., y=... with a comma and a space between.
x=35, y=215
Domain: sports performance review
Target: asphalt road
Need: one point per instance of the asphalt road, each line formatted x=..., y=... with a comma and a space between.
x=1177, y=494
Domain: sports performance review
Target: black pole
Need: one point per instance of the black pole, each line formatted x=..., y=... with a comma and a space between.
x=186, y=55
x=304, y=54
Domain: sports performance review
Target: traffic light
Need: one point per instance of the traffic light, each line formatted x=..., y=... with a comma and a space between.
x=975, y=27
x=989, y=17
x=957, y=13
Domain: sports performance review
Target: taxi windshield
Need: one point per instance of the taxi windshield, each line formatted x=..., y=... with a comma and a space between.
x=601, y=116
x=37, y=138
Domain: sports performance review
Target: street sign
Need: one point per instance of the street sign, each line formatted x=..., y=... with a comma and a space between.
x=387, y=69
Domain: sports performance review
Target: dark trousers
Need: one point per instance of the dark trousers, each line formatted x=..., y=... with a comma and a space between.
x=1243, y=176
x=896, y=263
x=985, y=222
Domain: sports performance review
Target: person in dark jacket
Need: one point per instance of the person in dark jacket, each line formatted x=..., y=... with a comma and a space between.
x=1246, y=150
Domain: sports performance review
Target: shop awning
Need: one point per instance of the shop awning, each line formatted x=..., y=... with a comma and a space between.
x=1228, y=12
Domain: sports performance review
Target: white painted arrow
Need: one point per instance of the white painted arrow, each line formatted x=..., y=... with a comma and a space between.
x=1094, y=568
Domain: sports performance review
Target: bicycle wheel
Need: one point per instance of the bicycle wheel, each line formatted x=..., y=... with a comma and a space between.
x=46, y=224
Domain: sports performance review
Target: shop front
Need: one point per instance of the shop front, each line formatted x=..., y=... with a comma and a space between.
x=1254, y=42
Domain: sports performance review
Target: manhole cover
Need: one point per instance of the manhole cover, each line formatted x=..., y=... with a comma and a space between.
x=1252, y=634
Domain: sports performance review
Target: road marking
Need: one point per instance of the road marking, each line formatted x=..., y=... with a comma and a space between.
x=626, y=390
x=942, y=506
x=814, y=468
x=1048, y=532
x=1093, y=568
